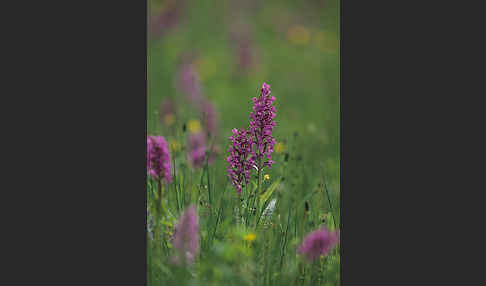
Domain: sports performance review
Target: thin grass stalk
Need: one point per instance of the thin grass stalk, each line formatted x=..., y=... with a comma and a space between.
x=330, y=205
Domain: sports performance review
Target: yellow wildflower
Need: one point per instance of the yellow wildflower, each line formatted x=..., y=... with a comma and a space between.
x=298, y=35
x=266, y=177
x=250, y=237
x=174, y=146
x=169, y=119
x=194, y=126
x=279, y=147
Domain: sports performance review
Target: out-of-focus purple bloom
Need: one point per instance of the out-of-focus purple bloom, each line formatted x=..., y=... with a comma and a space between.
x=245, y=55
x=240, y=159
x=167, y=111
x=241, y=41
x=317, y=243
x=196, y=144
x=158, y=158
x=261, y=127
x=186, y=237
x=166, y=19
x=189, y=84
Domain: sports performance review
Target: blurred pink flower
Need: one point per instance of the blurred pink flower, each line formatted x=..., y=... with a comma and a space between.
x=196, y=144
x=186, y=237
x=317, y=243
x=158, y=158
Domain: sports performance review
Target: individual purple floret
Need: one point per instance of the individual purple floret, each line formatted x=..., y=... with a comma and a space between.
x=317, y=243
x=240, y=160
x=261, y=127
x=158, y=158
x=186, y=237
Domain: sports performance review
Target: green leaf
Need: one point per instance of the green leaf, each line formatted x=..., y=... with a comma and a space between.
x=268, y=192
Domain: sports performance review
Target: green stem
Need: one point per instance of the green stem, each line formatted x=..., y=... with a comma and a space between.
x=258, y=190
x=158, y=210
x=330, y=205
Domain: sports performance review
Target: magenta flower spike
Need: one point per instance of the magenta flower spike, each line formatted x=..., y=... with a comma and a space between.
x=158, y=158
x=317, y=243
x=261, y=127
x=186, y=237
x=252, y=148
x=240, y=160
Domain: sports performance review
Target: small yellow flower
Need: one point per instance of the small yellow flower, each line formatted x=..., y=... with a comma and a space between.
x=194, y=126
x=279, y=147
x=298, y=35
x=169, y=119
x=250, y=237
x=266, y=177
x=174, y=146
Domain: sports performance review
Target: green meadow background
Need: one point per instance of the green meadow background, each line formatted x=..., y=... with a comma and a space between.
x=295, y=49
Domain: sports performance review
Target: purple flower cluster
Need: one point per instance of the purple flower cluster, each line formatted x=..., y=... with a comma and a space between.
x=158, y=158
x=240, y=160
x=186, y=237
x=261, y=126
x=317, y=243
